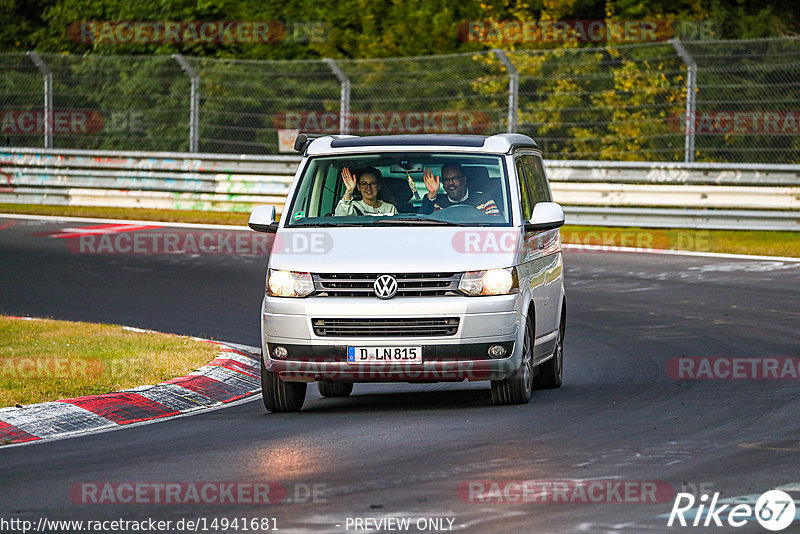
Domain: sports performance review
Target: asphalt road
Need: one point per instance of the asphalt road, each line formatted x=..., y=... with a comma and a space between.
x=405, y=451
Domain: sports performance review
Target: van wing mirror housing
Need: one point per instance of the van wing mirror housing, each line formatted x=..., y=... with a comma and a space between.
x=262, y=219
x=546, y=216
x=301, y=142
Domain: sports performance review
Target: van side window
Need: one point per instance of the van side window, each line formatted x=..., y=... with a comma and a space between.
x=527, y=207
x=317, y=196
x=303, y=199
x=537, y=179
x=330, y=191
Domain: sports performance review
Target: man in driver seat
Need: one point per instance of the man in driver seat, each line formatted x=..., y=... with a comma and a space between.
x=456, y=192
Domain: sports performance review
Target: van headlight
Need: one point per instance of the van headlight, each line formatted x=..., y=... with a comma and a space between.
x=490, y=282
x=289, y=283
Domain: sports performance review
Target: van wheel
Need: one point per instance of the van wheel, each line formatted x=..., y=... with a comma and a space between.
x=280, y=396
x=551, y=372
x=329, y=388
x=517, y=388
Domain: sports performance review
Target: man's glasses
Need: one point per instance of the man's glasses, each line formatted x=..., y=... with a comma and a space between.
x=456, y=178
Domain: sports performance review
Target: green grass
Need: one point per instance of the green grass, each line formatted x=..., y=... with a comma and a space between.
x=729, y=241
x=139, y=214
x=47, y=360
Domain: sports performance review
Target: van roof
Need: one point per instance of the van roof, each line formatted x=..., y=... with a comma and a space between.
x=495, y=144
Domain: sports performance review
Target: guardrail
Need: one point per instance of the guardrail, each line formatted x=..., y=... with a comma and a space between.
x=699, y=195
x=158, y=180
x=684, y=218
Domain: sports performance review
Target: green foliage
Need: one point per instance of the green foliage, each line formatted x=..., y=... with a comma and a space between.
x=22, y=22
x=741, y=19
x=363, y=28
x=580, y=100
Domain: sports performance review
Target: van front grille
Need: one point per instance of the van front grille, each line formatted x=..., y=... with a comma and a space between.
x=394, y=327
x=408, y=284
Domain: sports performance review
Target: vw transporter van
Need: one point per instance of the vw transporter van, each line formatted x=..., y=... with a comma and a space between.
x=413, y=258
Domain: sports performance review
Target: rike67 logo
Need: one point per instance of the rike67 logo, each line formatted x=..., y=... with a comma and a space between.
x=774, y=510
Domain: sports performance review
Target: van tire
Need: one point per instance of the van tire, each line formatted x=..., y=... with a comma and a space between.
x=330, y=388
x=517, y=388
x=281, y=396
x=551, y=372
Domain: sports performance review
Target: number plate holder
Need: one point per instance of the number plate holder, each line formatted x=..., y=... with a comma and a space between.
x=378, y=355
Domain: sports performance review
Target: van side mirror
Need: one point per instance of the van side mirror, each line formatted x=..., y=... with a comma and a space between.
x=546, y=216
x=262, y=219
x=301, y=142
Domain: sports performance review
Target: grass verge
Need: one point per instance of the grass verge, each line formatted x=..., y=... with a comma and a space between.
x=728, y=241
x=136, y=214
x=755, y=242
x=47, y=360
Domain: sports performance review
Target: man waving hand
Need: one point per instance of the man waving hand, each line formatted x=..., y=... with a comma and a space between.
x=456, y=192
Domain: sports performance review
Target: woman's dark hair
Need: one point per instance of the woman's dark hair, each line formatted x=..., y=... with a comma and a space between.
x=368, y=170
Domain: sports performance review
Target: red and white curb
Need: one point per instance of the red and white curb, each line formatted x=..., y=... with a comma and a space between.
x=232, y=375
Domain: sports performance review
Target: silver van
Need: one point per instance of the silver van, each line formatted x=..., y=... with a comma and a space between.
x=413, y=258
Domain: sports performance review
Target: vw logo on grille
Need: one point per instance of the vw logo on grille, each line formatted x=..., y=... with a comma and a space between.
x=385, y=286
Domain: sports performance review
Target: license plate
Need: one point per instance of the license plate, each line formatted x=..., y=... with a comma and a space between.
x=384, y=354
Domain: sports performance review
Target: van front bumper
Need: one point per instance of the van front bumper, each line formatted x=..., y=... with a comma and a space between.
x=483, y=322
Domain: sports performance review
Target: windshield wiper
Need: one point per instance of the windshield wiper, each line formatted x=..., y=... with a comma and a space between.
x=417, y=221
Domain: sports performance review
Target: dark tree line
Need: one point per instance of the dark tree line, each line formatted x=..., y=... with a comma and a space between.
x=365, y=28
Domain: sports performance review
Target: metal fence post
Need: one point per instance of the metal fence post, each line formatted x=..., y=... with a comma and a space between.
x=691, y=88
x=194, y=102
x=344, y=99
x=513, y=88
x=48, y=98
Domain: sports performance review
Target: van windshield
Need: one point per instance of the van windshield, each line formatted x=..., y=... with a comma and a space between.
x=395, y=188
